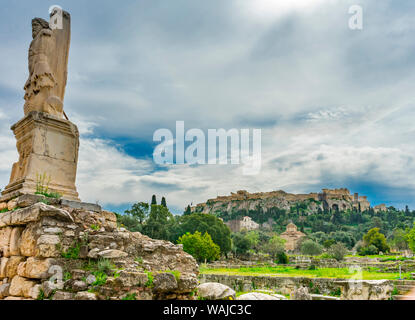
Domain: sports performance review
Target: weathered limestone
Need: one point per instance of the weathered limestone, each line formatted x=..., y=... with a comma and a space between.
x=366, y=289
x=12, y=265
x=257, y=296
x=47, y=241
x=47, y=146
x=215, y=291
x=21, y=287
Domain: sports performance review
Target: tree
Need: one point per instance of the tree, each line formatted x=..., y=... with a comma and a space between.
x=163, y=202
x=309, y=247
x=157, y=224
x=399, y=240
x=377, y=239
x=411, y=239
x=154, y=200
x=139, y=211
x=275, y=247
x=188, y=211
x=328, y=243
x=202, y=248
x=241, y=243
x=338, y=251
x=220, y=233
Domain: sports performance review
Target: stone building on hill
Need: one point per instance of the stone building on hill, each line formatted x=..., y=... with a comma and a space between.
x=246, y=224
x=292, y=236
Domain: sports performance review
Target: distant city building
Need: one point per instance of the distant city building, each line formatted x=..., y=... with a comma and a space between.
x=380, y=208
x=246, y=223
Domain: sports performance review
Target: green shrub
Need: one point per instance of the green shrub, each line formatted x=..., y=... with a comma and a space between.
x=309, y=247
x=338, y=251
x=282, y=258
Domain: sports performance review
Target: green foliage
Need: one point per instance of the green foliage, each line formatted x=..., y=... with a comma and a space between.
x=72, y=252
x=67, y=276
x=105, y=266
x=139, y=211
x=282, y=258
x=154, y=200
x=377, y=239
x=42, y=187
x=337, y=251
x=41, y=295
x=241, y=243
x=163, y=202
x=398, y=240
x=150, y=280
x=130, y=296
x=336, y=293
x=188, y=211
x=158, y=224
x=95, y=227
x=287, y=271
x=368, y=250
x=101, y=278
x=311, y=248
x=220, y=233
x=275, y=247
x=201, y=247
x=411, y=239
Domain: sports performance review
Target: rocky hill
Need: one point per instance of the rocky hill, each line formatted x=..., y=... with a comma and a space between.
x=326, y=200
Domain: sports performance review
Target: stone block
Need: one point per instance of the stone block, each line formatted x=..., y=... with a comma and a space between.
x=12, y=265
x=46, y=144
x=21, y=287
x=81, y=205
x=15, y=240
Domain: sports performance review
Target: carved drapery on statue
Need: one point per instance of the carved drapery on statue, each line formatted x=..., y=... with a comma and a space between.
x=48, y=67
x=47, y=143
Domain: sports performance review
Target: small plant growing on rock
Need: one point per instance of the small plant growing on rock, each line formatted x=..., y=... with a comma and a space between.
x=130, y=296
x=101, y=278
x=41, y=295
x=72, y=252
x=95, y=227
x=105, y=266
x=42, y=187
x=149, y=283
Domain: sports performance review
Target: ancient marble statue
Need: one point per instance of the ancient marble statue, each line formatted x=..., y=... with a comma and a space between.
x=48, y=65
x=47, y=142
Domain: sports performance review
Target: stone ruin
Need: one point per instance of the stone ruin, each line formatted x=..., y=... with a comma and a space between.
x=292, y=237
x=56, y=247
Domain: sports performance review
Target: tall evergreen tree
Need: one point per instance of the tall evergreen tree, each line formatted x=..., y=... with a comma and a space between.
x=188, y=211
x=163, y=202
x=154, y=200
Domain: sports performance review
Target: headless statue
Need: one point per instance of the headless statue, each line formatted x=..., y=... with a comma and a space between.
x=48, y=65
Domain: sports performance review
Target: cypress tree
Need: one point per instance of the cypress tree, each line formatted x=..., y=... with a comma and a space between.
x=154, y=200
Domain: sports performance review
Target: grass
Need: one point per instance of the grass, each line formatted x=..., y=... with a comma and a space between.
x=280, y=271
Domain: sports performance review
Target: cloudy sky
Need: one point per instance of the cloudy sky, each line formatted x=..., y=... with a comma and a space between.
x=336, y=106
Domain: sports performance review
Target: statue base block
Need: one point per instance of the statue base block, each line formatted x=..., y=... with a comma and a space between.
x=48, y=146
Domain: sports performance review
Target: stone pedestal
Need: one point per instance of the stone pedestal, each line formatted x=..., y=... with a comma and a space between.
x=47, y=145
